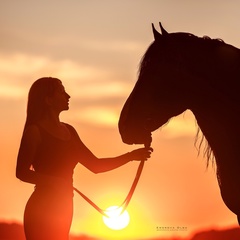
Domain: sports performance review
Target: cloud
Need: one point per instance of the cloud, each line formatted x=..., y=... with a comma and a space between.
x=99, y=116
x=18, y=71
x=96, y=96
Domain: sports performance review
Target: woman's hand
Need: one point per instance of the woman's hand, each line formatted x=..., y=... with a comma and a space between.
x=141, y=154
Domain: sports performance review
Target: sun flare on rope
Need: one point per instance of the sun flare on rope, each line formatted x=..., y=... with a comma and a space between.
x=116, y=220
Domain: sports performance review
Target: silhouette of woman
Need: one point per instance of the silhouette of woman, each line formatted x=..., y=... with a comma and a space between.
x=48, y=154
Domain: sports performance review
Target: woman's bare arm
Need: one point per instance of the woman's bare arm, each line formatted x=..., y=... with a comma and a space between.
x=30, y=141
x=98, y=165
x=107, y=164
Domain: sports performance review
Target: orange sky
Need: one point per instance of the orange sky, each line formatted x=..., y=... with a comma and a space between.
x=95, y=48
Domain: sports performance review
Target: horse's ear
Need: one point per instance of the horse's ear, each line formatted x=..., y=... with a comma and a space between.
x=156, y=34
x=164, y=32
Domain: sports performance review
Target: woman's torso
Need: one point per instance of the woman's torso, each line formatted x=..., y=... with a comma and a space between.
x=56, y=157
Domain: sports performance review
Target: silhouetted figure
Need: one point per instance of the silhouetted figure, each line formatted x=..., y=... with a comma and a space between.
x=48, y=154
x=180, y=71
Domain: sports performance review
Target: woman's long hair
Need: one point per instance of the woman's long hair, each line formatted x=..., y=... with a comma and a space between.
x=37, y=106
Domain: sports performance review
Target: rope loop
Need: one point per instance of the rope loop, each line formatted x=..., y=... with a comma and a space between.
x=128, y=198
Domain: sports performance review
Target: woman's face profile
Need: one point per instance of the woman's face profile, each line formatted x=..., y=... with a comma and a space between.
x=59, y=101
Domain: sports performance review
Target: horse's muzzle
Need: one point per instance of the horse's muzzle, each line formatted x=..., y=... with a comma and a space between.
x=137, y=137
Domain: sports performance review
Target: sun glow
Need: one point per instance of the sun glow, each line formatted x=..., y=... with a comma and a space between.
x=116, y=220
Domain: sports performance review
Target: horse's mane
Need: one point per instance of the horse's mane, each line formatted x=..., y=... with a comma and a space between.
x=186, y=38
x=201, y=142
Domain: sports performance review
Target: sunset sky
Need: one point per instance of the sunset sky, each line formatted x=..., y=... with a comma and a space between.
x=95, y=47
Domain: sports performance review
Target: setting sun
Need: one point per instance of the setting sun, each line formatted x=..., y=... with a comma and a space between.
x=116, y=220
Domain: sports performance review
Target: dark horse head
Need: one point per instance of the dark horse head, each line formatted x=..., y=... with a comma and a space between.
x=181, y=71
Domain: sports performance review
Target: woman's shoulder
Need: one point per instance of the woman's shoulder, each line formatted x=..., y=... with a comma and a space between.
x=68, y=126
x=72, y=130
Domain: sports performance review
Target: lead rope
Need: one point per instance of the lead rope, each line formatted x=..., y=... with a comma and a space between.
x=127, y=199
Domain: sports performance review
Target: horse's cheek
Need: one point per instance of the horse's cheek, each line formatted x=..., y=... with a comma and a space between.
x=231, y=198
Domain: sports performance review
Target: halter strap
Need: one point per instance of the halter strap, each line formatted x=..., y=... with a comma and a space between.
x=127, y=199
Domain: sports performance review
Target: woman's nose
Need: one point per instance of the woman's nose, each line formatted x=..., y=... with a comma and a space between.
x=68, y=96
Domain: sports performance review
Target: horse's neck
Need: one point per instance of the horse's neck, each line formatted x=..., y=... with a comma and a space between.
x=218, y=67
x=217, y=118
